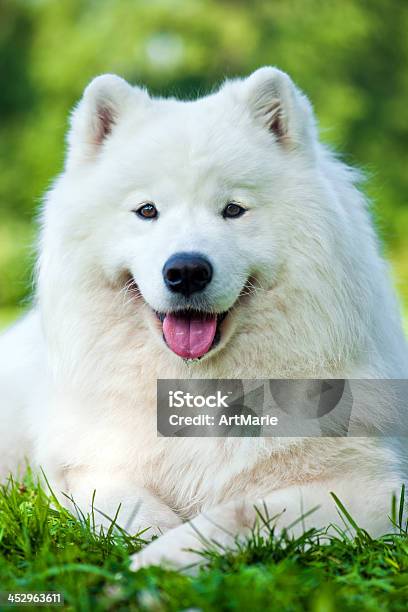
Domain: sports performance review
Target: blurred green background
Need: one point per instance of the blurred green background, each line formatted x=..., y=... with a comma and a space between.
x=349, y=56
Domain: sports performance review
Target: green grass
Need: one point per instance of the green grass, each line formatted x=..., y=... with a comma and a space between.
x=44, y=548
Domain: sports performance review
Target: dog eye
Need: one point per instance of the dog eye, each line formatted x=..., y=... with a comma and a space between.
x=147, y=211
x=233, y=211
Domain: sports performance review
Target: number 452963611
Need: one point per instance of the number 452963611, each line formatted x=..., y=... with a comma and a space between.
x=39, y=599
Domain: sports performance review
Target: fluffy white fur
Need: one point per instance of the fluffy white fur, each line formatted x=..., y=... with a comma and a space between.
x=78, y=374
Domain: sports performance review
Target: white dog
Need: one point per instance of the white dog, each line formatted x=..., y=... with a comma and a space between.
x=208, y=239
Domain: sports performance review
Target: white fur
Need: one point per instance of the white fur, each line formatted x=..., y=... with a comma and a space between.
x=78, y=374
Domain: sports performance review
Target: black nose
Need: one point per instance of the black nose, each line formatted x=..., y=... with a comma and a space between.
x=187, y=273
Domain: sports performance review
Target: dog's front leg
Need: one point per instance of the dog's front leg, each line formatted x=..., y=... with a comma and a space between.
x=108, y=495
x=368, y=502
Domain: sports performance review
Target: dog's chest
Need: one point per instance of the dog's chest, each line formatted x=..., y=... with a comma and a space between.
x=192, y=474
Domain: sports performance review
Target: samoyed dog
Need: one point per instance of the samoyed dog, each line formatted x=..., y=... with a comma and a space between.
x=215, y=238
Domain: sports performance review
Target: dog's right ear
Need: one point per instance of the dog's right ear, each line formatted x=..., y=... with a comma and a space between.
x=104, y=102
x=280, y=107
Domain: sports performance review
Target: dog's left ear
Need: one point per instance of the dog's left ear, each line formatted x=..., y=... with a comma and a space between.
x=283, y=109
x=103, y=106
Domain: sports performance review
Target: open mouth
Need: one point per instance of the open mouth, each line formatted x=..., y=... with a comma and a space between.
x=191, y=334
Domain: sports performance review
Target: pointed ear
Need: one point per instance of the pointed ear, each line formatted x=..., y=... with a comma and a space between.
x=275, y=101
x=103, y=103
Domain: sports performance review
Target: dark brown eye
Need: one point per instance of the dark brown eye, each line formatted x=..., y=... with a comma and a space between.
x=147, y=211
x=233, y=210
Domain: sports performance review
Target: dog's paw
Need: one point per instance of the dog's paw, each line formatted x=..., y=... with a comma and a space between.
x=169, y=553
x=177, y=561
x=146, y=558
x=183, y=547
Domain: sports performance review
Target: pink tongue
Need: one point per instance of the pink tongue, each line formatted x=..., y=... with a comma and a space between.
x=189, y=337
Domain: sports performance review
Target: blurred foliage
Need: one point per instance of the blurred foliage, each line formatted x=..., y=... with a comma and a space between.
x=349, y=56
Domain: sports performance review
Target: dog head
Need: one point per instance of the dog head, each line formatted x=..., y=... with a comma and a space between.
x=195, y=207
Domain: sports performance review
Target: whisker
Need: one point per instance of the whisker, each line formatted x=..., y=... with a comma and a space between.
x=129, y=293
